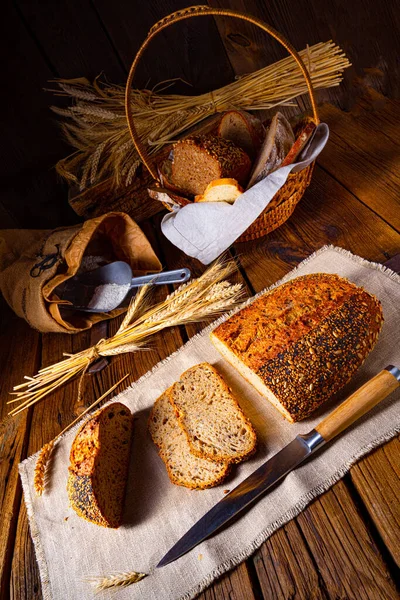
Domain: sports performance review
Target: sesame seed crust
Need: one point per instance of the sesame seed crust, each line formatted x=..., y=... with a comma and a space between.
x=302, y=341
x=318, y=365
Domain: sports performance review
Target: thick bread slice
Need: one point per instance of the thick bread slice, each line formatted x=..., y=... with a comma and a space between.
x=183, y=467
x=221, y=190
x=214, y=423
x=277, y=144
x=99, y=461
x=199, y=159
x=301, y=343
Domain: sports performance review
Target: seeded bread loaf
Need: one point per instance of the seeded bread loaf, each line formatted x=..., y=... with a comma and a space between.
x=215, y=426
x=183, y=467
x=199, y=159
x=99, y=461
x=301, y=343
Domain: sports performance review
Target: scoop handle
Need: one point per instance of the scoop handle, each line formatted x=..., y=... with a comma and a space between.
x=359, y=403
x=177, y=276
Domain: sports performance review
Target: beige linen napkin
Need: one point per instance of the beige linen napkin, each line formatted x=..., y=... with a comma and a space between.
x=158, y=513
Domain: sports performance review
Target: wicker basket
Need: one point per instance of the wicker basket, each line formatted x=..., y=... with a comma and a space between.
x=284, y=202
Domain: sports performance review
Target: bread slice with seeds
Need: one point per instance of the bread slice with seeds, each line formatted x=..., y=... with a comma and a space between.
x=199, y=159
x=214, y=423
x=99, y=461
x=299, y=344
x=183, y=467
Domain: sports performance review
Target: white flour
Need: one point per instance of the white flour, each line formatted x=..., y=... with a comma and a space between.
x=108, y=296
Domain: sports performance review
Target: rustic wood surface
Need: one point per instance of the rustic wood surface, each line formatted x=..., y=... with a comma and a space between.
x=345, y=545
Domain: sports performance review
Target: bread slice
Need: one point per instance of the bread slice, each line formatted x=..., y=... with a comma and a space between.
x=183, y=467
x=221, y=190
x=304, y=135
x=99, y=461
x=244, y=130
x=301, y=343
x=211, y=418
x=277, y=144
x=199, y=159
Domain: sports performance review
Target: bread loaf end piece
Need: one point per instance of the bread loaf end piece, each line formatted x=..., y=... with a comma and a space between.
x=302, y=342
x=243, y=129
x=99, y=462
x=215, y=425
x=183, y=467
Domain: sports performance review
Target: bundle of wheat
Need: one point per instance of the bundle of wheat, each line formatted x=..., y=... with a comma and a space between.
x=96, y=125
x=201, y=298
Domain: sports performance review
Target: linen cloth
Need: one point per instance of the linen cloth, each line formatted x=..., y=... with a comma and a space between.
x=158, y=513
x=206, y=229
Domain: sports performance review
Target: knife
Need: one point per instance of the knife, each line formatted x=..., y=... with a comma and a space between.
x=287, y=459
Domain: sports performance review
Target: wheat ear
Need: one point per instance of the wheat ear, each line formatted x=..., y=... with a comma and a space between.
x=116, y=580
x=39, y=476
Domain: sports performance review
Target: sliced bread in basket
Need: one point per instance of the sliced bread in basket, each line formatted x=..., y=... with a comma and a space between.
x=199, y=159
x=214, y=424
x=183, y=467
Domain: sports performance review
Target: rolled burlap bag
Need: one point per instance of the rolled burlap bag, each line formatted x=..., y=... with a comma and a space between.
x=34, y=262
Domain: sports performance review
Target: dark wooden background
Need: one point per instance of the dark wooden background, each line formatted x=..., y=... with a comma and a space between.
x=46, y=39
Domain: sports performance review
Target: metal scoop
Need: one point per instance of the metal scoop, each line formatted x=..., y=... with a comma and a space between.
x=109, y=287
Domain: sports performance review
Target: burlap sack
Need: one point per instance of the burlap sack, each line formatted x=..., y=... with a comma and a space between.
x=34, y=262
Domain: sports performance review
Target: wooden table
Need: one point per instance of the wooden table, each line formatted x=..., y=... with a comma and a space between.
x=346, y=543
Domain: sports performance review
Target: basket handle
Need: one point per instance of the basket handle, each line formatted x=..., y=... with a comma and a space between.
x=187, y=13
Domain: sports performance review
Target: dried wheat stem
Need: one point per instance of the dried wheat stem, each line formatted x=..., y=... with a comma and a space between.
x=200, y=299
x=97, y=120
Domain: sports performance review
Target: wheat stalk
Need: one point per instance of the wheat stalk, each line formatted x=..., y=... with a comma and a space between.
x=116, y=580
x=199, y=299
x=96, y=124
x=39, y=476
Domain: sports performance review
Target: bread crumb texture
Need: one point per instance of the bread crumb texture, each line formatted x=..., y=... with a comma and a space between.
x=214, y=424
x=305, y=339
x=183, y=467
x=200, y=159
x=99, y=461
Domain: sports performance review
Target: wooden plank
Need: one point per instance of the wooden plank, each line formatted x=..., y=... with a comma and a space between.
x=345, y=553
x=31, y=141
x=285, y=567
x=235, y=585
x=377, y=480
x=72, y=38
x=15, y=338
x=249, y=48
x=179, y=51
x=363, y=154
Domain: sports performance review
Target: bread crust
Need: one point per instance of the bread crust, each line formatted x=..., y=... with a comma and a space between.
x=185, y=482
x=252, y=125
x=181, y=418
x=300, y=364
x=230, y=161
x=235, y=190
x=83, y=486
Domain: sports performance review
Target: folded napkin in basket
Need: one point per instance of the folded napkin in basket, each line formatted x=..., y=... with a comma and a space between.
x=206, y=229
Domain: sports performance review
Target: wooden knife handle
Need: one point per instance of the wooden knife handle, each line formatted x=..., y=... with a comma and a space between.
x=359, y=403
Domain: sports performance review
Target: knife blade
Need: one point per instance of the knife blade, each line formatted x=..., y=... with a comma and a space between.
x=287, y=459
